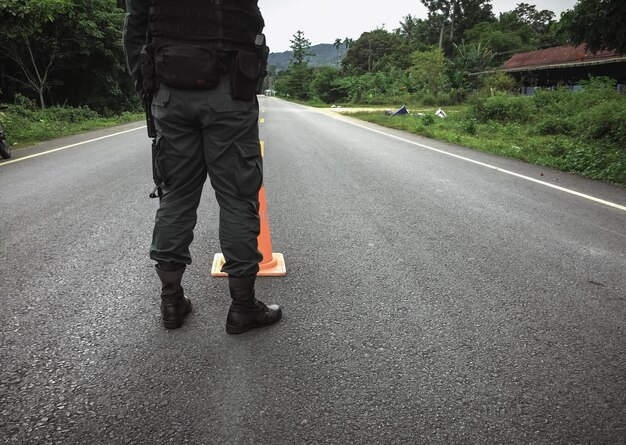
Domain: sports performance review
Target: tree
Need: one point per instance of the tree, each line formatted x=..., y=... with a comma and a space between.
x=409, y=27
x=30, y=38
x=296, y=80
x=467, y=60
x=66, y=49
x=492, y=35
x=525, y=18
x=375, y=50
x=323, y=86
x=521, y=29
x=599, y=24
x=416, y=32
x=537, y=21
x=439, y=12
x=428, y=71
x=93, y=67
x=457, y=16
x=470, y=13
x=338, y=44
x=301, y=49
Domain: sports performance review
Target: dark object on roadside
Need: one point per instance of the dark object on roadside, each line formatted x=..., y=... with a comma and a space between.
x=399, y=112
x=5, y=149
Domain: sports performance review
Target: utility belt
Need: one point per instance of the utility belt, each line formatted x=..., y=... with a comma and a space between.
x=195, y=67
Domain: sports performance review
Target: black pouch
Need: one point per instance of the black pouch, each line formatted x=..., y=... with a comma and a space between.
x=187, y=67
x=147, y=78
x=244, y=76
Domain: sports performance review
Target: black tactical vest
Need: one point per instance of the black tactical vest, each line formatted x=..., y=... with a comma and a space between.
x=215, y=24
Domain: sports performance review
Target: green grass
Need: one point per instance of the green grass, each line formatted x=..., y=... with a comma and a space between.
x=24, y=127
x=595, y=159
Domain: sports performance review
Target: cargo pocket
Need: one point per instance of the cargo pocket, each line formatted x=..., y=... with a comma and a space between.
x=249, y=169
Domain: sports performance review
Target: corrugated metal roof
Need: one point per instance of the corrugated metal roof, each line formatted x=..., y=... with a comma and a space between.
x=556, y=56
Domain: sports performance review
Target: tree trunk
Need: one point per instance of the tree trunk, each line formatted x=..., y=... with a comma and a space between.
x=451, y=27
x=42, y=102
x=443, y=26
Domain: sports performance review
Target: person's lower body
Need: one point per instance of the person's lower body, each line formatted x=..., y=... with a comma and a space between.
x=204, y=133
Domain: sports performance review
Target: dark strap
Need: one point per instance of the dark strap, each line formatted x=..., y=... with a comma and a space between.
x=156, y=193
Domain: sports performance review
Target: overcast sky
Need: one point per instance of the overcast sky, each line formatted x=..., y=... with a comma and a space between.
x=323, y=21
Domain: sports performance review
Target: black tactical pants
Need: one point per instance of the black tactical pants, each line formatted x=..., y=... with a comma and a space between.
x=206, y=132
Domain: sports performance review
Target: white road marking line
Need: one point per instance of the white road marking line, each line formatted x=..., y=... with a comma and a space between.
x=70, y=146
x=482, y=164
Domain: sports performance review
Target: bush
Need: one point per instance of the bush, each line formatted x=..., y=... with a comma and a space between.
x=596, y=162
x=446, y=98
x=555, y=125
x=428, y=119
x=601, y=86
x=556, y=102
x=68, y=114
x=25, y=102
x=503, y=107
x=322, y=84
x=606, y=121
x=498, y=81
x=469, y=126
x=428, y=100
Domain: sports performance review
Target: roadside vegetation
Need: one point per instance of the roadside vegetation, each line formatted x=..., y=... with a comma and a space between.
x=26, y=124
x=580, y=132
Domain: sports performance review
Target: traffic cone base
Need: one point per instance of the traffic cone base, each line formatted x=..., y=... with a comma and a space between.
x=274, y=268
x=218, y=263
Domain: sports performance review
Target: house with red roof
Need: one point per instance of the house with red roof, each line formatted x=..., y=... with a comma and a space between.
x=564, y=65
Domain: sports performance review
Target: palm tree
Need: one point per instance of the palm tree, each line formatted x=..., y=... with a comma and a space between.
x=338, y=44
x=408, y=27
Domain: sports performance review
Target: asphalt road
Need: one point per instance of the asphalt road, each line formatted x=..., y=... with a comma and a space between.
x=429, y=299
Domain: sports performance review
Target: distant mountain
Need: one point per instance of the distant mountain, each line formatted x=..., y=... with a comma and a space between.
x=325, y=54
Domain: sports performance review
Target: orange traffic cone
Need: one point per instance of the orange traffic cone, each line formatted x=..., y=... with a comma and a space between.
x=272, y=264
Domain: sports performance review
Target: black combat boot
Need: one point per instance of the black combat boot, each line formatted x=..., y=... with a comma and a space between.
x=246, y=312
x=174, y=304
